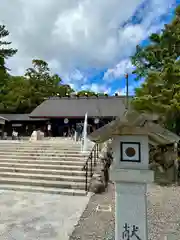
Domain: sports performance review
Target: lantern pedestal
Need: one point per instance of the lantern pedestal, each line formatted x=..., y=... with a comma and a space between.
x=131, y=206
x=131, y=174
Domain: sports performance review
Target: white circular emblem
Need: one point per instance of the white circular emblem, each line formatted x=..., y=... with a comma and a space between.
x=96, y=120
x=66, y=120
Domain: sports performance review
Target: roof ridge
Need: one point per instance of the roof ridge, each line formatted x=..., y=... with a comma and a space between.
x=87, y=97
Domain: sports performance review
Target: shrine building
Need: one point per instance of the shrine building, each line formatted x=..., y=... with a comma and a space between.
x=67, y=111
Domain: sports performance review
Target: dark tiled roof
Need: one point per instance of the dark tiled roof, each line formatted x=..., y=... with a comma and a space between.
x=18, y=117
x=77, y=107
x=3, y=118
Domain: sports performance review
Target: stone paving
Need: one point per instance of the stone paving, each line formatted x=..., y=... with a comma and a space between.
x=38, y=216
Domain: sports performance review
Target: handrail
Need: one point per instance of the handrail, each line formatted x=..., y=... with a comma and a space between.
x=92, y=161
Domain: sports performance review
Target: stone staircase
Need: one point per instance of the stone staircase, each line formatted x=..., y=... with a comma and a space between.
x=49, y=166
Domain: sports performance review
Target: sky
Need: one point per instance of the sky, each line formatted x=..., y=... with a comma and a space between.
x=88, y=43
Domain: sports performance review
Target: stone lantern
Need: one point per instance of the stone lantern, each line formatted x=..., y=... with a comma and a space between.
x=130, y=171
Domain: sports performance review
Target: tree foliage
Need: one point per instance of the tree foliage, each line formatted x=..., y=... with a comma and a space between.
x=164, y=48
x=159, y=64
x=23, y=93
x=89, y=93
x=43, y=84
x=86, y=93
x=5, y=53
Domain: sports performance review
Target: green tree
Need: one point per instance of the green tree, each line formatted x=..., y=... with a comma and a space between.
x=163, y=49
x=159, y=64
x=16, y=99
x=43, y=84
x=23, y=93
x=89, y=93
x=5, y=53
x=86, y=93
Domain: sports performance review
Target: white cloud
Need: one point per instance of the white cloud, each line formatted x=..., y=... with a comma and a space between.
x=99, y=88
x=131, y=88
x=125, y=66
x=94, y=87
x=75, y=34
x=122, y=91
x=75, y=79
x=134, y=34
x=78, y=76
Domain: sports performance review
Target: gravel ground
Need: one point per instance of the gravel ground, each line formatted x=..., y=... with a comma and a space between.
x=163, y=215
x=95, y=225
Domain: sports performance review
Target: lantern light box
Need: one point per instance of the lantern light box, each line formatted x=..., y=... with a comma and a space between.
x=130, y=152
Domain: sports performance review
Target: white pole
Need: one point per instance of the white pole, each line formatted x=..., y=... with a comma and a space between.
x=84, y=137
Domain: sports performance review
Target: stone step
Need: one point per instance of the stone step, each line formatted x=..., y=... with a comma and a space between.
x=55, y=143
x=48, y=190
x=41, y=166
x=43, y=142
x=45, y=177
x=55, y=167
x=65, y=147
x=78, y=150
x=45, y=139
x=44, y=153
x=42, y=183
x=39, y=142
x=43, y=157
x=43, y=171
x=43, y=161
x=27, y=150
